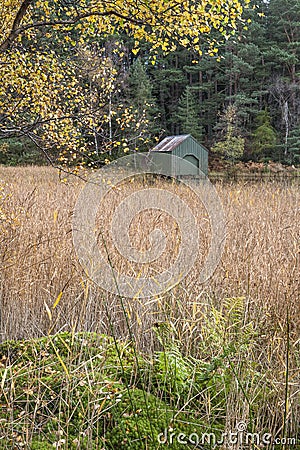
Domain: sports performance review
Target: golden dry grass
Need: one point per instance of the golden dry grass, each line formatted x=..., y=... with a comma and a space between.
x=260, y=263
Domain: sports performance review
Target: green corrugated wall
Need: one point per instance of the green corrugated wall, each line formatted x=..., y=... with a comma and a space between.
x=161, y=160
x=190, y=147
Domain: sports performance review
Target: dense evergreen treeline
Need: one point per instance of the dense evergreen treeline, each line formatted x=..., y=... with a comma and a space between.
x=242, y=102
x=249, y=91
x=248, y=96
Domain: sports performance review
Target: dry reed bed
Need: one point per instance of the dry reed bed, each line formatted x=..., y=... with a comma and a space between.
x=261, y=259
x=260, y=263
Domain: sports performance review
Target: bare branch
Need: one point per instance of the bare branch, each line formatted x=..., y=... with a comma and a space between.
x=16, y=25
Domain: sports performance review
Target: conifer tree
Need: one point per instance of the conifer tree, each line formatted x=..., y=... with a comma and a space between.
x=188, y=116
x=264, y=136
x=293, y=155
x=142, y=102
x=231, y=145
